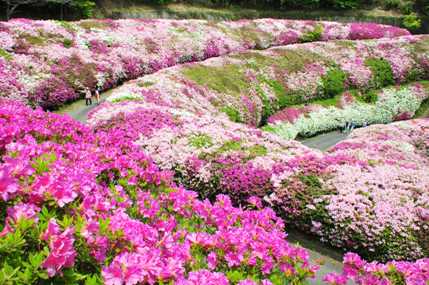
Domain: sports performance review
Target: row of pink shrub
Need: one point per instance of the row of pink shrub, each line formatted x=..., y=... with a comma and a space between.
x=82, y=207
x=76, y=208
x=343, y=196
x=251, y=86
x=47, y=63
x=176, y=115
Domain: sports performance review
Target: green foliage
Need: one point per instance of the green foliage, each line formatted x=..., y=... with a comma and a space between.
x=229, y=146
x=85, y=7
x=333, y=101
x=257, y=150
x=226, y=79
x=5, y=54
x=412, y=22
x=33, y=40
x=369, y=97
x=69, y=26
x=334, y=82
x=301, y=3
x=311, y=181
x=41, y=164
x=423, y=111
x=345, y=4
x=145, y=84
x=291, y=98
x=67, y=43
x=313, y=35
x=233, y=114
x=201, y=141
x=267, y=108
x=382, y=74
x=127, y=97
x=91, y=24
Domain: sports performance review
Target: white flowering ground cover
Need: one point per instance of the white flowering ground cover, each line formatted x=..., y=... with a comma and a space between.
x=390, y=104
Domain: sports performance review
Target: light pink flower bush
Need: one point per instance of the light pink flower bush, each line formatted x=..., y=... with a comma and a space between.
x=48, y=62
x=379, y=206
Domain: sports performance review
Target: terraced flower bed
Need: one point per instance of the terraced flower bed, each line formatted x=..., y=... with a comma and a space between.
x=81, y=208
x=358, y=108
x=251, y=86
x=94, y=207
x=47, y=62
x=174, y=182
x=186, y=124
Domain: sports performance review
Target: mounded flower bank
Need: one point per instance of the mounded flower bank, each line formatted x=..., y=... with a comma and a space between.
x=46, y=63
x=94, y=208
x=358, y=108
x=80, y=208
x=186, y=126
x=107, y=204
x=251, y=86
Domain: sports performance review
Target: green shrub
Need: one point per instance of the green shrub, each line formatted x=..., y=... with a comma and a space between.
x=201, y=141
x=67, y=43
x=85, y=7
x=333, y=82
x=5, y=54
x=233, y=114
x=412, y=22
x=313, y=35
x=345, y=4
x=267, y=108
x=369, y=97
x=301, y=3
x=382, y=74
x=291, y=98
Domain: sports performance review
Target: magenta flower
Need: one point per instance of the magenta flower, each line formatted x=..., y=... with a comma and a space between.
x=212, y=260
x=335, y=279
x=8, y=184
x=23, y=211
x=62, y=253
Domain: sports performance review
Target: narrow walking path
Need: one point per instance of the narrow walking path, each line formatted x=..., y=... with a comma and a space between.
x=324, y=141
x=78, y=110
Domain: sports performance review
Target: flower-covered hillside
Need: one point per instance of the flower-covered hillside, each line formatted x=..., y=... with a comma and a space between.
x=183, y=117
x=47, y=62
x=213, y=155
x=76, y=208
x=351, y=107
x=251, y=86
x=376, y=200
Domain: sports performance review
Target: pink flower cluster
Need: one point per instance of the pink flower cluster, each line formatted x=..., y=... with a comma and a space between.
x=111, y=205
x=373, y=273
x=180, y=116
x=103, y=53
x=62, y=253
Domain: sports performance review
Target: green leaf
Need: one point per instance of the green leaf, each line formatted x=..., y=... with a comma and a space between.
x=235, y=276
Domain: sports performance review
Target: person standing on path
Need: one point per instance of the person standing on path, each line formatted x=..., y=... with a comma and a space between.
x=97, y=96
x=88, y=97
